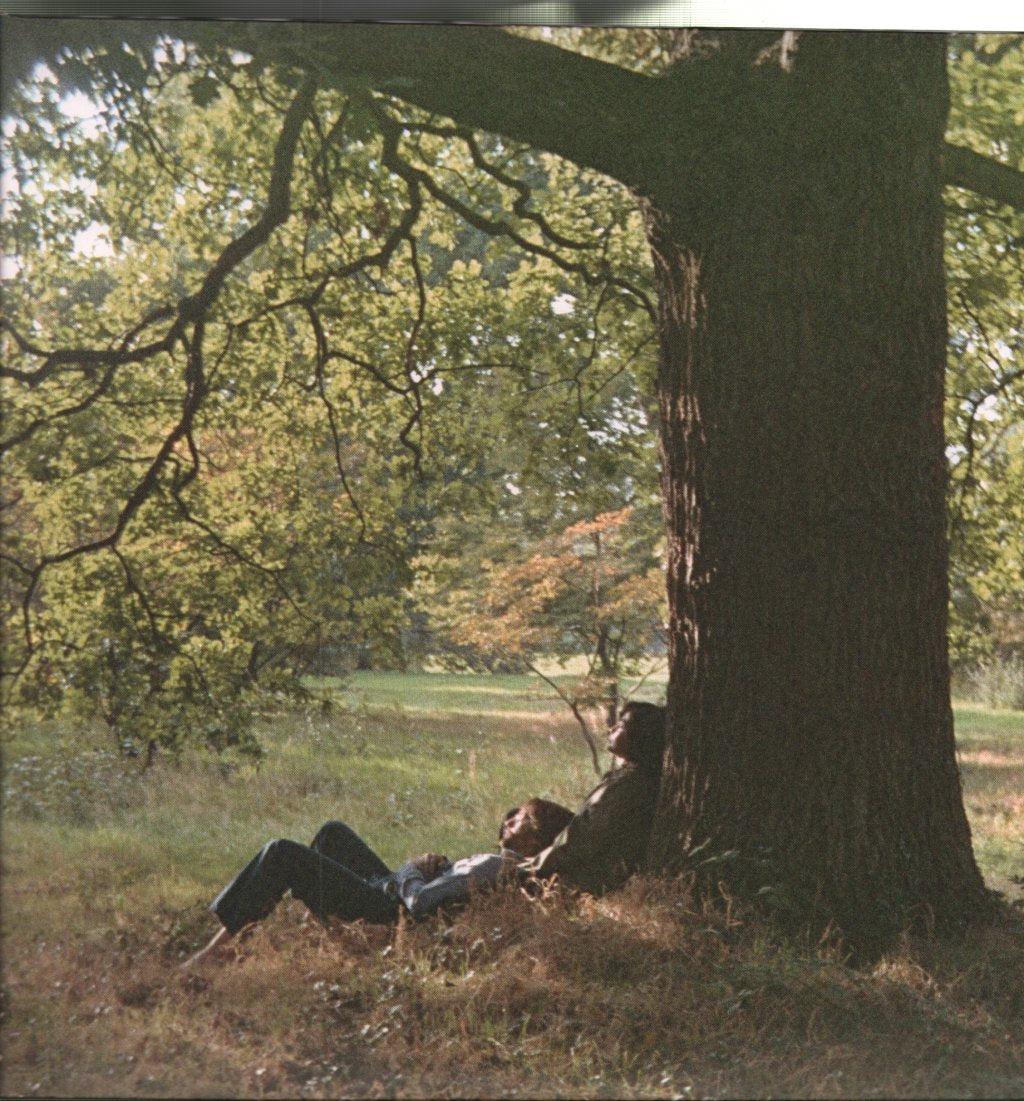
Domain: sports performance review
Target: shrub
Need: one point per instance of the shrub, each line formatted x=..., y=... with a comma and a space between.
x=997, y=682
x=69, y=787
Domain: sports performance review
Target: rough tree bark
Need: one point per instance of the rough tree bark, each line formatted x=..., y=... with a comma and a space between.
x=802, y=316
x=793, y=206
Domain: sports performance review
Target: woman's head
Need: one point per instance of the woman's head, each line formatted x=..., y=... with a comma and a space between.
x=529, y=829
x=639, y=735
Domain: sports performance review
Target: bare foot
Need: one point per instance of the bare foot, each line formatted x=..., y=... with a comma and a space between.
x=214, y=948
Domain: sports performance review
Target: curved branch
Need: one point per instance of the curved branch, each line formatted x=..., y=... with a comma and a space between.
x=964, y=168
x=411, y=372
x=521, y=210
x=275, y=213
x=574, y=707
x=67, y=411
x=322, y=352
x=89, y=359
x=493, y=227
x=132, y=583
x=520, y=205
x=271, y=573
x=192, y=309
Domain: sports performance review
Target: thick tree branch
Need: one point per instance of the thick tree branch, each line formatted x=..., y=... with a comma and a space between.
x=87, y=360
x=963, y=167
x=486, y=78
x=578, y=107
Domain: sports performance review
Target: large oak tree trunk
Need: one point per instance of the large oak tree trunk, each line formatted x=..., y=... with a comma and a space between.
x=802, y=317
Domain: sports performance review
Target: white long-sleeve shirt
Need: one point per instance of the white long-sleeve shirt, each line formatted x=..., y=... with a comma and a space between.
x=457, y=881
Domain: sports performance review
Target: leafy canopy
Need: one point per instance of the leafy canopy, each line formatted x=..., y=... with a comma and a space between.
x=293, y=374
x=204, y=501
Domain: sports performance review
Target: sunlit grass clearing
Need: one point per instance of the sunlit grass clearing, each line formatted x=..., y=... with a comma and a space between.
x=107, y=877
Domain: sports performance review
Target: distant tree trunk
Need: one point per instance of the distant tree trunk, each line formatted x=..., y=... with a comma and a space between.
x=608, y=676
x=802, y=318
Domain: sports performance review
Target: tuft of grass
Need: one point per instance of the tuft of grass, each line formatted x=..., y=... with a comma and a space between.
x=643, y=993
x=990, y=751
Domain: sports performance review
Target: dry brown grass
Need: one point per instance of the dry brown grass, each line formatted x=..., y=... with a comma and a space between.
x=641, y=994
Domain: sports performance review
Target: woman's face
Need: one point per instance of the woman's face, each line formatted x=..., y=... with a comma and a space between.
x=621, y=737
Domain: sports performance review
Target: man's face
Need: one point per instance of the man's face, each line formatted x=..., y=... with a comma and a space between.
x=518, y=833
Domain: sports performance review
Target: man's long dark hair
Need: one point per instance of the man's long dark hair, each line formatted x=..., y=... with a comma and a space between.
x=546, y=818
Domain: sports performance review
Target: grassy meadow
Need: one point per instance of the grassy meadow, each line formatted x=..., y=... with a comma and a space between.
x=107, y=875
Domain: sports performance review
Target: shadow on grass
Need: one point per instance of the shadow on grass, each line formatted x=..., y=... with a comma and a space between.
x=639, y=994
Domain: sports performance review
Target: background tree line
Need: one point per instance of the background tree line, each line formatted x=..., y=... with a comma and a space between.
x=433, y=488
x=326, y=510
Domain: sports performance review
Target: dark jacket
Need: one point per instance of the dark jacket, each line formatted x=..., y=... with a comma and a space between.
x=604, y=843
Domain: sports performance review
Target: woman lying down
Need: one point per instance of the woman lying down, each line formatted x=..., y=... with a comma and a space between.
x=340, y=876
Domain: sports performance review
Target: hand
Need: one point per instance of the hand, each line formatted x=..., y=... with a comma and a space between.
x=431, y=865
x=509, y=869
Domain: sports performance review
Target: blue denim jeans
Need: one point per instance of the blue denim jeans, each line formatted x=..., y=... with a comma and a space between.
x=338, y=875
